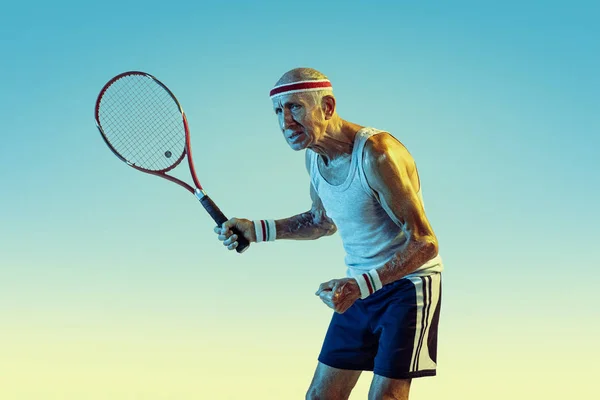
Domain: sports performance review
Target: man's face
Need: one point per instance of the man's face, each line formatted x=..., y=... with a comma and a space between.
x=301, y=121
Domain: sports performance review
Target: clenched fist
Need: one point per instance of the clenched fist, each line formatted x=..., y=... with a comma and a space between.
x=339, y=294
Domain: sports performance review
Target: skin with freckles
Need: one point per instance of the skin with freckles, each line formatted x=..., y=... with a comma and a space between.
x=310, y=121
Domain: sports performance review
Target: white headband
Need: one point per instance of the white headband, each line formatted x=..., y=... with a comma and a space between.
x=301, y=86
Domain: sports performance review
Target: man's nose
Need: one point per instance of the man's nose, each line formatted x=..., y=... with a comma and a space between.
x=288, y=119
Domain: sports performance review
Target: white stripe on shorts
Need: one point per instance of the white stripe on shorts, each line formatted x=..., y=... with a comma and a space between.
x=428, y=292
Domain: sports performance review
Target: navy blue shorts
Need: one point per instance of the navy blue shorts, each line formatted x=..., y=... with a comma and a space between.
x=393, y=332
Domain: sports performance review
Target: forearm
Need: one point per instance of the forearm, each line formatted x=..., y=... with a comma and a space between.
x=417, y=253
x=305, y=226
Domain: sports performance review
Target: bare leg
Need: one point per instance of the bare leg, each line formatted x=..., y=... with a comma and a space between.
x=330, y=383
x=383, y=388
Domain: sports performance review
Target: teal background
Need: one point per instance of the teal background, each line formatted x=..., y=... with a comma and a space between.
x=113, y=285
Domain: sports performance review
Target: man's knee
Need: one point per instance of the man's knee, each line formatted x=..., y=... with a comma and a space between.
x=390, y=396
x=320, y=392
x=330, y=383
x=389, y=389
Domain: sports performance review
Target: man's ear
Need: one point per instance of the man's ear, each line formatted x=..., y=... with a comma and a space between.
x=328, y=106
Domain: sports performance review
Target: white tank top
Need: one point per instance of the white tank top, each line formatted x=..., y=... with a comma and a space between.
x=370, y=237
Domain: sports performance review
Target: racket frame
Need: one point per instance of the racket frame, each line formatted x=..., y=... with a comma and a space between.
x=198, y=191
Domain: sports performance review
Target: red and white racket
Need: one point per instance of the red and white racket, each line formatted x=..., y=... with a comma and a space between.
x=144, y=125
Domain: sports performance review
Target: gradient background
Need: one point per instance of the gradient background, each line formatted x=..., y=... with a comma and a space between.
x=113, y=285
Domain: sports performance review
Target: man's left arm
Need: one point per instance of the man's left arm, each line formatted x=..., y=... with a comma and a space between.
x=388, y=166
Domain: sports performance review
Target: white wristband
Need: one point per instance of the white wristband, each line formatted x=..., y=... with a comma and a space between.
x=265, y=230
x=369, y=283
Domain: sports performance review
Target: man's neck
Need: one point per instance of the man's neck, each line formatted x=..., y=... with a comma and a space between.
x=338, y=140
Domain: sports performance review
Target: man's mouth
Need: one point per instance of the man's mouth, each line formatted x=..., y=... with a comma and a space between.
x=294, y=135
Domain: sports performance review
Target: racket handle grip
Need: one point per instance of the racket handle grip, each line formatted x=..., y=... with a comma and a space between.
x=219, y=218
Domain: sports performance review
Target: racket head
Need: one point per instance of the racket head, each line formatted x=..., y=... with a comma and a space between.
x=142, y=122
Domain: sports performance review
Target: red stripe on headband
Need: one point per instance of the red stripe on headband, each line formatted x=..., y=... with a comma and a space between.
x=299, y=86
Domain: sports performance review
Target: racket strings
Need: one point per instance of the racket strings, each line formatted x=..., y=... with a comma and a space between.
x=160, y=120
x=147, y=154
x=143, y=123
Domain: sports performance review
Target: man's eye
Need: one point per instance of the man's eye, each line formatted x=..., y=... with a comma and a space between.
x=295, y=106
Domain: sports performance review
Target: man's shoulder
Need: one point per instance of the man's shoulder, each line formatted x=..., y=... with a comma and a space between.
x=382, y=146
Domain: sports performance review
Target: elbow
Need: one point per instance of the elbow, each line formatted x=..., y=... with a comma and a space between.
x=331, y=229
x=434, y=249
x=429, y=247
x=325, y=225
x=327, y=228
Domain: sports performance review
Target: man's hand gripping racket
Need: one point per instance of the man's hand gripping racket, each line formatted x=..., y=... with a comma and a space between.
x=144, y=125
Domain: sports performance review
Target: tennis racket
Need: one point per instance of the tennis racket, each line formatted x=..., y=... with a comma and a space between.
x=144, y=125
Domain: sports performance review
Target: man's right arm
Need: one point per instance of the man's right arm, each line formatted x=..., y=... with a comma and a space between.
x=309, y=225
